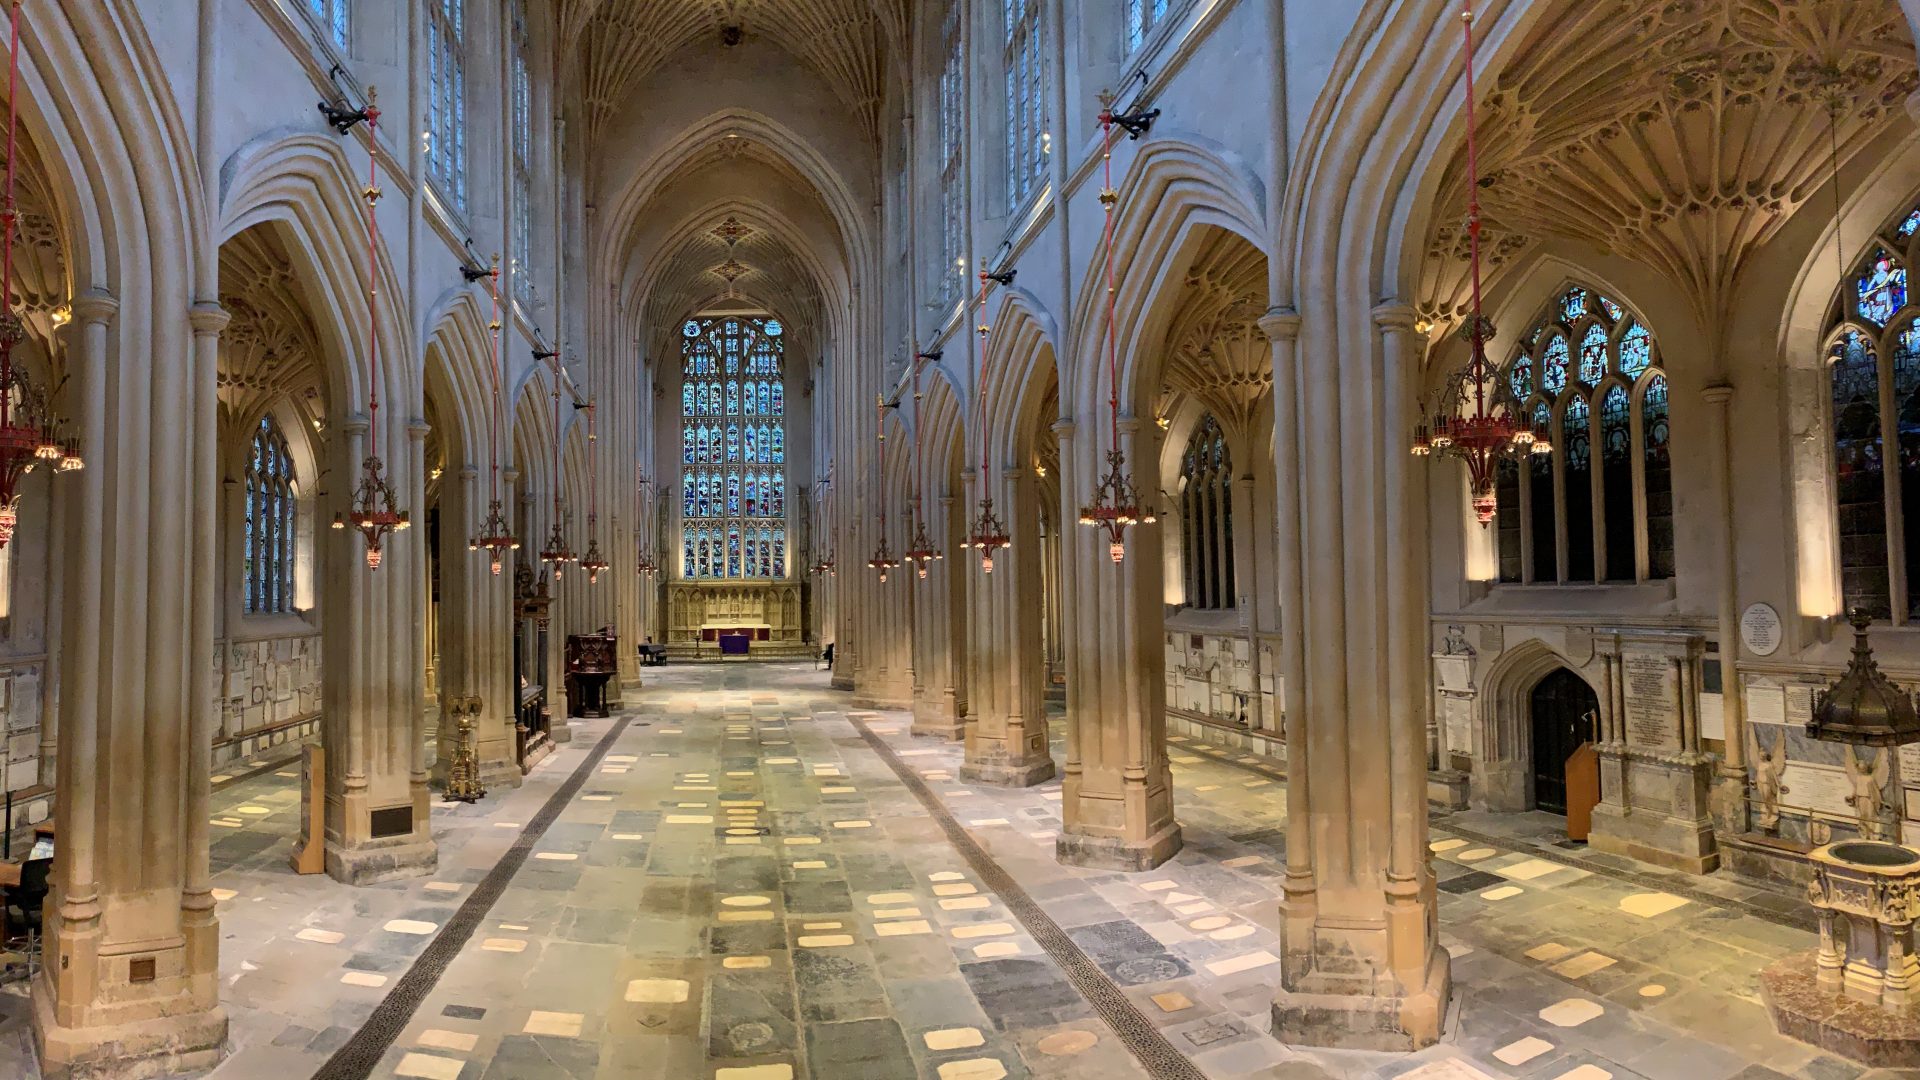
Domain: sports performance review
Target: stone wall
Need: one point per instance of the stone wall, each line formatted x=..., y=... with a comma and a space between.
x=269, y=693
x=1213, y=676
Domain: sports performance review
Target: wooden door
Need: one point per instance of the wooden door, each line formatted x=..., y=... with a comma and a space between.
x=1563, y=707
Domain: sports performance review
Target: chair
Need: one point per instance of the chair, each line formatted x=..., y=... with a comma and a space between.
x=27, y=898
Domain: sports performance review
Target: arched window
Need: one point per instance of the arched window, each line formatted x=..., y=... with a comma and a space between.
x=1873, y=368
x=952, y=100
x=447, y=99
x=1025, y=65
x=1599, y=506
x=1206, y=515
x=523, y=127
x=331, y=17
x=267, y=539
x=734, y=519
x=1146, y=16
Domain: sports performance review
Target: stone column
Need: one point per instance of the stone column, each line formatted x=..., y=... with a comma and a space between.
x=1362, y=967
x=936, y=709
x=1007, y=738
x=1117, y=804
x=376, y=815
x=1282, y=327
x=132, y=939
x=1729, y=797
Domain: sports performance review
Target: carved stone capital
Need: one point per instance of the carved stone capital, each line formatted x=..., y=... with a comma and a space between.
x=95, y=306
x=1280, y=324
x=1718, y=393
x=1395, y=317
x=207, y=317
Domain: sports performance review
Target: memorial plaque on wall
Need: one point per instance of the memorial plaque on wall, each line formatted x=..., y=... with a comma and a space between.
x=1652, y=701
x=1909, y=762
x=1457, y=715
x=1819, y=788
x=1766, y=705
x=1799, y=706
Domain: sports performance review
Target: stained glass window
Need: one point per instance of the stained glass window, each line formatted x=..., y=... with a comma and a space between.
x=1025, y=68
x=446, y=131
x=331, y=17
x=1882, y=289
x=734, y=518
x=1206, y=518
x=267, y=537
x=1618, y=394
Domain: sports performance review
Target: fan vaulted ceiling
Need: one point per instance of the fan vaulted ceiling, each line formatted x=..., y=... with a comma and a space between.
x=1680, y=134
x=848, y=43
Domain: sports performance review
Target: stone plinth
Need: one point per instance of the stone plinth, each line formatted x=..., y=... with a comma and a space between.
x=1874, y=1035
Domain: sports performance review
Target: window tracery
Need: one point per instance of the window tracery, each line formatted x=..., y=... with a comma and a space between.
x=733, y=417
x=331, y=17
x=1146, y=16
x=1600, y=506
x=1873, y=376
x=267, y=529
x=952, y=101
x=522, y=127
x=1024, y=63
x=1206, y=516
x=447, y=99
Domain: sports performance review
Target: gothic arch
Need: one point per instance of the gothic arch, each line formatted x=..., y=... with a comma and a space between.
x=1503, y=754
x=1021, y=364
x=1171, y=192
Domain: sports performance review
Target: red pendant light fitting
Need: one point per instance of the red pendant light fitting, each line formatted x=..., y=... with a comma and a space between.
x=986, y=533
x=31, y=432
x=920, y=550
x=1473, y=417
x=495, y=536
x=374, y=509
x=1116, y=504
x=557, y=554
x=882, y=558
x=592, y=562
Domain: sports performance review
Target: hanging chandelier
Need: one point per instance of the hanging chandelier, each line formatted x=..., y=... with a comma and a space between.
x=920, y=550
x=556, y=554
x=882, y=558
x=1116, y=504
x=374, y=509
x=986, y=533
x=1473, y=416
x=592, y=562
x=495, y=536
x=31, y=431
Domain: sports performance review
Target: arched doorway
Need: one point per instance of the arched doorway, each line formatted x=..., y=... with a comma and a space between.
x=1562, y=709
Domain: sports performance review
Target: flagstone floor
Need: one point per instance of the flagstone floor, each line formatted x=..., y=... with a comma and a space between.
x=737, y=879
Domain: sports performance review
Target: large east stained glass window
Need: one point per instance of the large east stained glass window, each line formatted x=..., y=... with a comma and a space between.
x=733, y=440
x=1588, y=372
x=1873, y=378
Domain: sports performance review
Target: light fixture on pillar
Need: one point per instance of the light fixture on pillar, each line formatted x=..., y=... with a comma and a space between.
x=920, y=549
x=592, y=562
x=1116, y=503
x=825, y=567
x=986, y=533
x=882, y=558
x=374, y=509
x=31, y=432
x=495, y=536
x=644, y=564
x=1473, y=416
x=556, y=554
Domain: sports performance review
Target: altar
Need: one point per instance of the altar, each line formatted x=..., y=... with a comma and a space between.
x=714, y=620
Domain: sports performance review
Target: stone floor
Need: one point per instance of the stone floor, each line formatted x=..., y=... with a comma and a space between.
x=738, y=879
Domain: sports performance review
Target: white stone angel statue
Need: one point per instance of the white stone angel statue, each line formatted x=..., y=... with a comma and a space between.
x=1868, y=783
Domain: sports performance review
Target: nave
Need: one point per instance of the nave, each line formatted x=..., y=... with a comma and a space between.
x=742, y=875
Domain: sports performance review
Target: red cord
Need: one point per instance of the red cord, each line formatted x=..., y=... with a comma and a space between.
x=9, y=216
x=1473, y=218
x=980, y=389
x=1113, y=372
x=373, y=286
